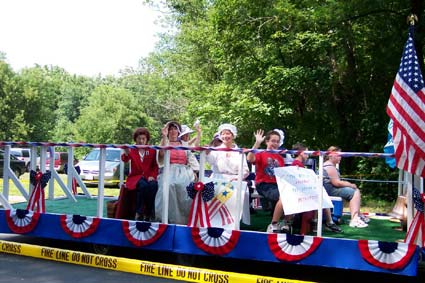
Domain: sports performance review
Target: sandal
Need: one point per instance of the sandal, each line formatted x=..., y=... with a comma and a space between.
x=358, y=223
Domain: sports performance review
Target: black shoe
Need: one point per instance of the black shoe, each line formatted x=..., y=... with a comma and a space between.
x=333, y=228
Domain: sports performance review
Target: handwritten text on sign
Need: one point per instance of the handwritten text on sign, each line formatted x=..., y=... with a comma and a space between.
x=299, y=189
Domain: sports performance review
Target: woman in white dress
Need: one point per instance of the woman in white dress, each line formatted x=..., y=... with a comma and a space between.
x=225, y=164
x=183, y=166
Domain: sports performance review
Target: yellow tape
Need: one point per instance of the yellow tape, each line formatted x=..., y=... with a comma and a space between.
x=170, y=271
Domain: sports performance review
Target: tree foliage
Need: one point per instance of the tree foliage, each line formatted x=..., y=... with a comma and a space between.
x=320, y=70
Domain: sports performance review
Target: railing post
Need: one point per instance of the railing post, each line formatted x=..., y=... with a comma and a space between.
x=165, y=186
x=6, y=166
x=320, y=188
x=101, y=182
x=52, y=151
x=239, y=192
x=122, y=164
x=202, y=159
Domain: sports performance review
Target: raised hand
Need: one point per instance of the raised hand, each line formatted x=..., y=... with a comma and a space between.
x=259, y=137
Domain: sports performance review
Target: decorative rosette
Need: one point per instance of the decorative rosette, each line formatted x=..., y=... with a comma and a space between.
x=216, y=241
x=37, y=177
x=201, y=194
x=143, y=233
x=387, y=255
x=21, y=221
x=78, y=226
x=39, y=181
x=289, y=247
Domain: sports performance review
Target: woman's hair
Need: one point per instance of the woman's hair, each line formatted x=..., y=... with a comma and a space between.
x=215, y=142
x=174, y=124
x=141, y=131
x=331, y=149
x=272, y=132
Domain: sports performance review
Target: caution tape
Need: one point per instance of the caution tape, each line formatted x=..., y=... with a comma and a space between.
x=148, y=268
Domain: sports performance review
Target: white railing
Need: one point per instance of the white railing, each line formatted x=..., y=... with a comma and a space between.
x=8, y=174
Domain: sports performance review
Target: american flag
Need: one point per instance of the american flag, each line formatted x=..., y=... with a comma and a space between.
x=218, y=205
x=406, y=107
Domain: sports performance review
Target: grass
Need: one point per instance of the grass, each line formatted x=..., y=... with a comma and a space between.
x=381, y=229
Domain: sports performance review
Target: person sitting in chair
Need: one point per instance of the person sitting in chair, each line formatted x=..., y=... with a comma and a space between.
x=143, y=175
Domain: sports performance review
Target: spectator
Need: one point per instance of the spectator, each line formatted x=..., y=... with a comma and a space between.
x=344, y=189
x=143, y=175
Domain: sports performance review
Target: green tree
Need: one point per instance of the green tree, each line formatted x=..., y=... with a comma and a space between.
x=75, y=91
x=39, y=101
x=12, y=122
x=111, y=115
x=313, y=68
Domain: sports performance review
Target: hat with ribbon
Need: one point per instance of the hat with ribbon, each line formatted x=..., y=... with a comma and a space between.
x=282, y=136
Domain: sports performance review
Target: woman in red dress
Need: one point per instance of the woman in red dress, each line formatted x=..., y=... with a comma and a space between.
x=143, y=175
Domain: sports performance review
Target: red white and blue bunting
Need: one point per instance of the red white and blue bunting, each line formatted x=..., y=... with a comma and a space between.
x=216, y=241
x=143, y=233
x=385, y=254
x=78, y=226
x=200, y=193
x=287, y=247
x=418, y=223
x=39, y=181
x=21, y=221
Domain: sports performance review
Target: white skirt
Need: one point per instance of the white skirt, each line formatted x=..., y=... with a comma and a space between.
x=179, y=202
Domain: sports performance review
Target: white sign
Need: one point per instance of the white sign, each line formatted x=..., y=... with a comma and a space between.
x=299, y=190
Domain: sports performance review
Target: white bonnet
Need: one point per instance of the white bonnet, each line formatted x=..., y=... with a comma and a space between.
x=282, y=136
x=185, y=130
x=229, y=127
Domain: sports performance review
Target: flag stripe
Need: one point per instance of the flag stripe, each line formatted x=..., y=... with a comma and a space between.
x=406, y=109
x=407, y=115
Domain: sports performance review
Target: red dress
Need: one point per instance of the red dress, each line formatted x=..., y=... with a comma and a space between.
x=138, y=169
x=126, y=205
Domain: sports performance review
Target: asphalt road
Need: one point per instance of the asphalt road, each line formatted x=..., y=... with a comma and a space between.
x=15, y=268
x=18, y=268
